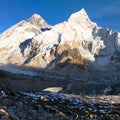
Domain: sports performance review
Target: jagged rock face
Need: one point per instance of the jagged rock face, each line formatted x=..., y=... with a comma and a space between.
x=78, y=42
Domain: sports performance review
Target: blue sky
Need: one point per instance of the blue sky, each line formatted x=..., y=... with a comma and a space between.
x=105, y=13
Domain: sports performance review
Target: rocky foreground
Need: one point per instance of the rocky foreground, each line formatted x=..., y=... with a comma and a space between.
x=57, y=106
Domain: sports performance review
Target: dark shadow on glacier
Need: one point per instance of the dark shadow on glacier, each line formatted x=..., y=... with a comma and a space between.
x=45, y=29
x=24, y=45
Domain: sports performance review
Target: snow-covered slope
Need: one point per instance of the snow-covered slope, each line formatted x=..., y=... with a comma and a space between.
x=14, y=40
x=73, y=44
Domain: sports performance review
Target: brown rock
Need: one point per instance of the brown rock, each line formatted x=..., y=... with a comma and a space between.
x=4, y=114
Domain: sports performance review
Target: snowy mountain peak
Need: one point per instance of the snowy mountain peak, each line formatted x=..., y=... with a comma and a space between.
x=81, y=18
x=83, y=10
x=37, y=16
x=37, y=21
x=80, y=14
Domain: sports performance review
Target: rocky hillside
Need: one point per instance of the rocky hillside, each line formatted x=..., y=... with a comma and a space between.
x=51, y=106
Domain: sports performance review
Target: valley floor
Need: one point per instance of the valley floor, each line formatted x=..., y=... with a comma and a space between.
x=57, y=106
x=92, y=95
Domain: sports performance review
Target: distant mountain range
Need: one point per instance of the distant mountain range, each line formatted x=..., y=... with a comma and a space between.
x=74, y=44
